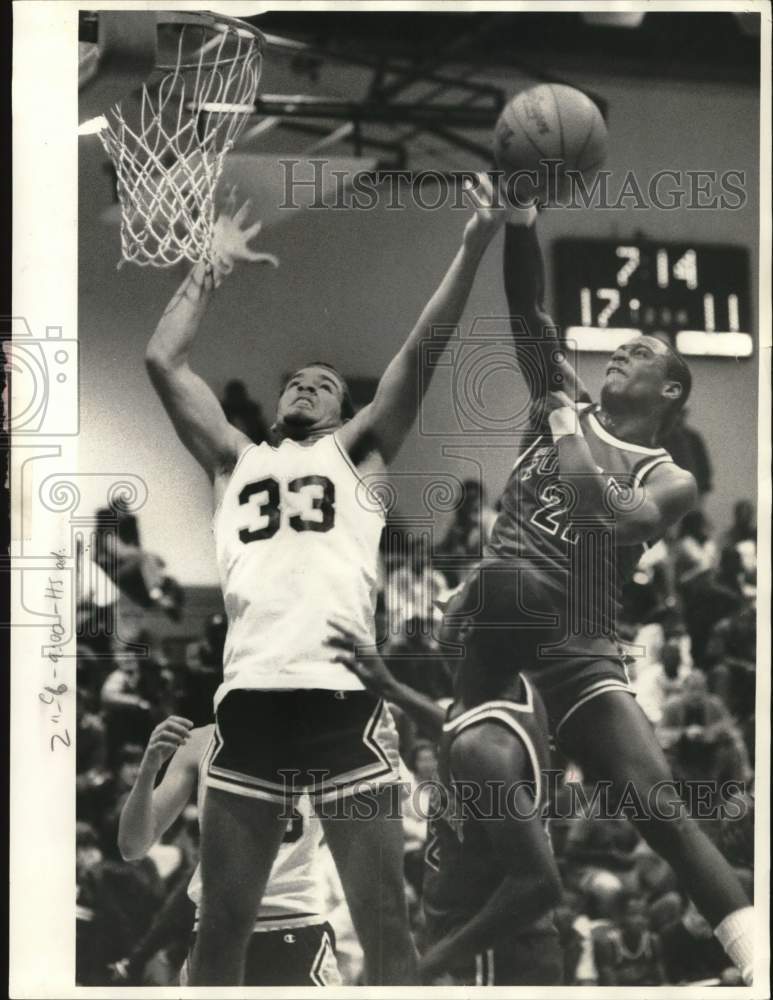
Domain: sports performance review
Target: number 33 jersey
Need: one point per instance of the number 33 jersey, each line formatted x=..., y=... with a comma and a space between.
x=297, y=540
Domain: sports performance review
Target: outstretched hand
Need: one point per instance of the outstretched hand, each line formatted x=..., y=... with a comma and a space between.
x=490, y=211
x=166, y=739
x=371, y=670
x=231, y=239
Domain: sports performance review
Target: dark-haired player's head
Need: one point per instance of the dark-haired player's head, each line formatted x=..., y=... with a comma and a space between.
x=646, y=374
x=315, y=398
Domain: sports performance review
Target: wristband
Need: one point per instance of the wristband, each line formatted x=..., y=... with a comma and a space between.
x=521, y=216
x=564, y=422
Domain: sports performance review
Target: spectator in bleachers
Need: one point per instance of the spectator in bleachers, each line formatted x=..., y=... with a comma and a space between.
x=744, y=526
x=139, y=574
x=116, y=903
x=700, y=736
x=658, y=674
x=738, y=555
x=629, y=953
x=704, y=599
x=604, y=845
x=414, y=589
x=603, y=893
x=469, y=531
x=127, y=711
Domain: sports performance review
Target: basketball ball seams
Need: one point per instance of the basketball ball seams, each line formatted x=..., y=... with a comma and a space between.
x=562, y=157
x=584, y=146
x=526, y=132
x=570, y=130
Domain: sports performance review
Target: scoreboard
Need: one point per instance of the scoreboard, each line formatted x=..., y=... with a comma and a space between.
x=695, y=293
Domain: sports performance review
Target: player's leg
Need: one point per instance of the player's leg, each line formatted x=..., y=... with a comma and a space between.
x=240, y=837
x=368, y=853
x=611, y=739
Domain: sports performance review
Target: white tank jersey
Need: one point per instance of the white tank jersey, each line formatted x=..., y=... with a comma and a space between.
x=297, y=536
x=293, y=896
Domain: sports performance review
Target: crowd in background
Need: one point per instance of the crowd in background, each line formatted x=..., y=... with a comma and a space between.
x=687, y=629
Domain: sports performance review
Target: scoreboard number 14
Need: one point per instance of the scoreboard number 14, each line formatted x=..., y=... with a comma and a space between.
x=697, y=295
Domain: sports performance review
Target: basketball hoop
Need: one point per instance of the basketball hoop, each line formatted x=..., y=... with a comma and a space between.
x=168, y=163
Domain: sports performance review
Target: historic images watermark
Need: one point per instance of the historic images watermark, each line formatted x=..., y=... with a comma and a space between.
x=316, y=184
x=457, y=802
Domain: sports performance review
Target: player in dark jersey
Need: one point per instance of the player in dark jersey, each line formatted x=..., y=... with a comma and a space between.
x=590, y=488
x=490, y=881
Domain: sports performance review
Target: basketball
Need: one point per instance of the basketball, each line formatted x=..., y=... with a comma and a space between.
x=550, y=122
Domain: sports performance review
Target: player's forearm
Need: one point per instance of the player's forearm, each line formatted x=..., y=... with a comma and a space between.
x=512, y=908
x=449, y=299
x=524, y=272
x=538, y=342
x=177, y=328
x=136, y=827
x=423, y=710
x=593, y=504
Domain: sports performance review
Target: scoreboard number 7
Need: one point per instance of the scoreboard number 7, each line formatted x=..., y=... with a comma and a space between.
x=632, y=257
x=695, y=294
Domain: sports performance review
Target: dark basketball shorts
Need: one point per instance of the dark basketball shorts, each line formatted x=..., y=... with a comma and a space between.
x=540, y=621
x=276, y=745
x=526, y=960
x=300, y=956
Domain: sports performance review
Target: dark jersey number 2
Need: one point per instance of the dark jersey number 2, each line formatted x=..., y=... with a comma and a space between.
x=270, y=506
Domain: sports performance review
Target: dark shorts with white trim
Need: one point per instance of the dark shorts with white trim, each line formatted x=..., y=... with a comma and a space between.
x=526, y=960
x=297, y=956
x=537, y=618
x=277, y=745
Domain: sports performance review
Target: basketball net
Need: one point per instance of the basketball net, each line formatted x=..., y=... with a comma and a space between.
x=168, y=164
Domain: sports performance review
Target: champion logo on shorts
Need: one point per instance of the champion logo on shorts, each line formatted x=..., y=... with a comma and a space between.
x=289, y=939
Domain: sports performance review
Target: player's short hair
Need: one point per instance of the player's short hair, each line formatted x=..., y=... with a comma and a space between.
x=347, y=404
x=677, y=370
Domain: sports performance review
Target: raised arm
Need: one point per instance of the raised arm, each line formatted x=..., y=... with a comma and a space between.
x=148, y=812
x=539, y=345
x=383, y=425
x=191, y=404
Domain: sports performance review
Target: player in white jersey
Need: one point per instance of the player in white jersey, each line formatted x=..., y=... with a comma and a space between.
x=297, y=533
x=291, y=944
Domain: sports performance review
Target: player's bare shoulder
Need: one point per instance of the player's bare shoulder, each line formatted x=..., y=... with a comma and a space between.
x=674, y=490
x=485, y=751
x=360, y=443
